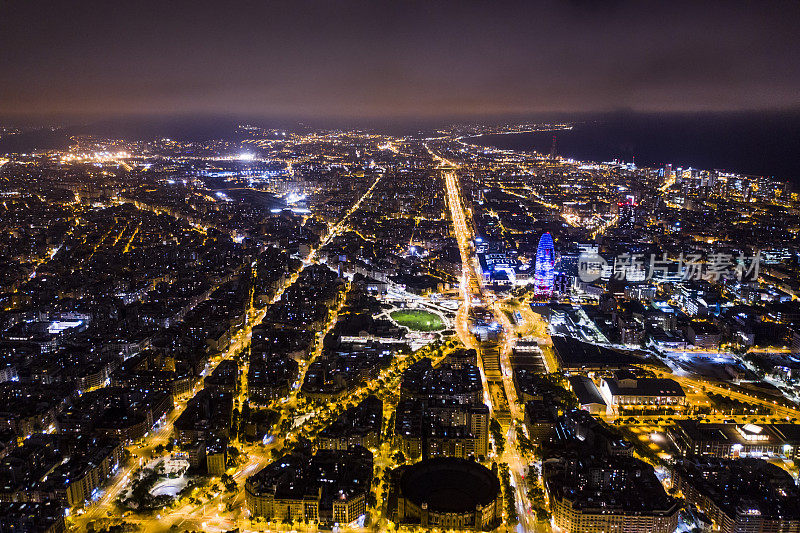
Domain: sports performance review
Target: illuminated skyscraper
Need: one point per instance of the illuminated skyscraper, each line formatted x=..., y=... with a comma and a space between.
x=545, y=260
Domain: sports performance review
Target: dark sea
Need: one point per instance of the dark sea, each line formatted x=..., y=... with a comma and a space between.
x=759, y=144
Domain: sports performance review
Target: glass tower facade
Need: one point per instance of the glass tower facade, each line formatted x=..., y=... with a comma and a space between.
x=545, y=260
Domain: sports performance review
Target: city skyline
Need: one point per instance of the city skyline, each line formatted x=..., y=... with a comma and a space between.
x=399, y=267
x=298, y=330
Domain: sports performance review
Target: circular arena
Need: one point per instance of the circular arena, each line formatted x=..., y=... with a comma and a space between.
x=449, y=493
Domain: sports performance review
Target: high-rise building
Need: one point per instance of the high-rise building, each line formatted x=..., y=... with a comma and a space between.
x=627, y=214
x=667, y=172
x=545, y=260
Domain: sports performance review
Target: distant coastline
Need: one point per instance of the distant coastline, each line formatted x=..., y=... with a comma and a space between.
x=762, y=146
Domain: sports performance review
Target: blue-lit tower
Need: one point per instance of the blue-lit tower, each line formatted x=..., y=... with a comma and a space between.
x=545, y=260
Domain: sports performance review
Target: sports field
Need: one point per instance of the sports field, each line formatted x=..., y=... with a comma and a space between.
x=418, y=320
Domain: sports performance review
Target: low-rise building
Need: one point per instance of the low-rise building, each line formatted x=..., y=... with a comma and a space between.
x=578, y=426
x=626, y=389
x=741, y=495
x=87, y=467
x=47, y=468
x=441, y=428
x=423, y=381
x=329, y=487
x=589, y=397
x=115, y=412
x=704, y=334
x=731, y=441
x=224, y=378
x=216, y=452
x=271, y=379
x=32, y=517
x=612, y=493
x=207, y=416
x=540, y=419
x=357, y=426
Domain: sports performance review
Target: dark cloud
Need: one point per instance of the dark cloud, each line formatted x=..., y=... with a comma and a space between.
x=396, y=58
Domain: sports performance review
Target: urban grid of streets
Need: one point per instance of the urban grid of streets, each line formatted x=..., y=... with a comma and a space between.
x=207, y=516
x=210, y=514
x=225, y=510
x=470, y=288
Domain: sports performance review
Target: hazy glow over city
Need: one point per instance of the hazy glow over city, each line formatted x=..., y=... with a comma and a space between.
x=364, y=267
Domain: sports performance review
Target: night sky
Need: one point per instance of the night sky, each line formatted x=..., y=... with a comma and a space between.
x=403, y=59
